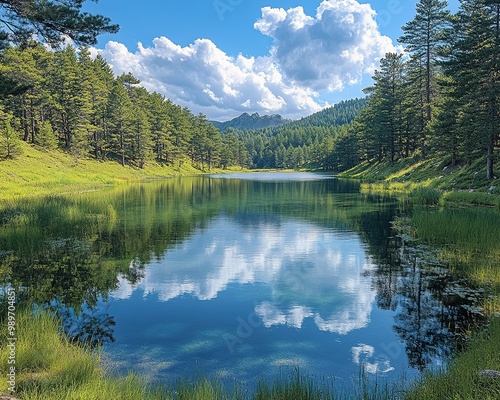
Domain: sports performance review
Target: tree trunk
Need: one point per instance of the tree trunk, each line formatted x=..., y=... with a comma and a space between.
x=489, y=158
x=24, y=122
x=122, y=148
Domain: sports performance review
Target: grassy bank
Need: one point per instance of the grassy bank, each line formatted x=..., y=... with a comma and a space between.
x=461, y=380
x=468, y=244
x=459, y=184
x=37, y=172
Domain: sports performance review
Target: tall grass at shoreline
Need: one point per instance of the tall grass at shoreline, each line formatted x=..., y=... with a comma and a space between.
x=461, y=379
x=468, y=244
x=425, y=195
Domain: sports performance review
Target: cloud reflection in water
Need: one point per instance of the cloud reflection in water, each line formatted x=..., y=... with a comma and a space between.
x=311, y=272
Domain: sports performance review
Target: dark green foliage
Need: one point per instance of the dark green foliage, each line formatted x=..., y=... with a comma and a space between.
x=51, y=20
x=46, y=137
x=445, y=99
x=9, y=140
x=424, y=36
x=442, y=100
x=384, y=119
x=302, y=142
x=472, y=70
x=70, y=99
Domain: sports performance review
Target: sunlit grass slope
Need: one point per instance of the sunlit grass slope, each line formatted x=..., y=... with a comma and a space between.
x=38, y=172
x=461, y=183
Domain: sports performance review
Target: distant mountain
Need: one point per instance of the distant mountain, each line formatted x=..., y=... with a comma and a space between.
x=251, y=121
x=302, y=142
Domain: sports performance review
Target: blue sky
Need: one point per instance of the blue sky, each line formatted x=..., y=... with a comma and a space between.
x=225, y=57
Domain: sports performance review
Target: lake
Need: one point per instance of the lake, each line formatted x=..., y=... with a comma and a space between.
x=238, y=276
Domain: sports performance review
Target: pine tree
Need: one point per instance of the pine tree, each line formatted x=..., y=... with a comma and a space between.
x=198, y=142
x=416, y=111
x=473, y=68
x=383, y=119
x=98, y=79
x=160, y=124
x=119, y=117
x=46, y=137
x=181, y=132
x=213, y=146
x=74, y=105
x=424, y=36
x=51, y=20
x=10, y=143
x=141, y=143
x=27, y=67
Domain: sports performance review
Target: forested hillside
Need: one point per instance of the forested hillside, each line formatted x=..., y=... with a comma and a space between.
x=441, y=101
x=308, y=141
x=66, y=99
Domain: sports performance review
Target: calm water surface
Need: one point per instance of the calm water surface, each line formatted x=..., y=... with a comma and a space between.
x=238, y=276
x=278, y=278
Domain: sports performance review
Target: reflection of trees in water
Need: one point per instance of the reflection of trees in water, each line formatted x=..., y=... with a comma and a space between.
x=92, y=325
x=64, y=268
x=431, y=319
x=74, y=248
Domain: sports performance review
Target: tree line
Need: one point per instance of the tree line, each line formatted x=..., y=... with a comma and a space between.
x=68, y=99
x=441, y=98
x=305, y=142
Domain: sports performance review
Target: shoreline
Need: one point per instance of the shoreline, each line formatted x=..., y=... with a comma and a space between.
x=463, y=367
x=461, y=184
x=37, y=173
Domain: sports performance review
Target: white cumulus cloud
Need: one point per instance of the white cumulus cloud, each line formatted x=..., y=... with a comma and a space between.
x=309, y=54
x=329, y=51
x=204, y=78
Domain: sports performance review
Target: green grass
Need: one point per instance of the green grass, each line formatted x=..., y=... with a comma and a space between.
x=468, y=241
x=38, y=172
x=465, y=184
x=425, y=195
x=461, y=380
x=50, y=367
